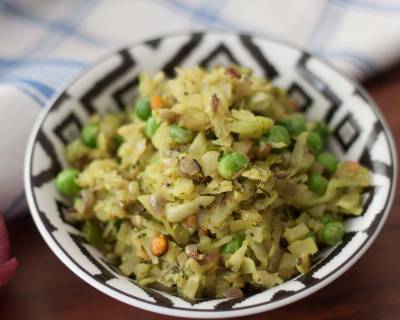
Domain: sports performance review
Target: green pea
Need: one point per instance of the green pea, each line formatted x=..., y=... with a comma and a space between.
x=322, y=129
x=234, y=244
x=143, y=108
x=295, y=124
x=93, y=234
x=231, y=164
x=66, y=182
x=314, y=142
x=277, y=137
x=180, y=135
x=89, y=135
x=328, y=161
x=331, y=233
x=327, y=217
x=151, y=127
x=317, y=183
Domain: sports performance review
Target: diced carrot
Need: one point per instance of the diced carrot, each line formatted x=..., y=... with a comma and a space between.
x=159, y=245
x=156, y=102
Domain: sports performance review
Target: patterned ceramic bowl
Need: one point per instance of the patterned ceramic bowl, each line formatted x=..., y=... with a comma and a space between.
x=359, y=133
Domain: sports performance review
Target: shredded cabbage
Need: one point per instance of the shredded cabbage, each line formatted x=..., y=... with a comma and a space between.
x=166, y=215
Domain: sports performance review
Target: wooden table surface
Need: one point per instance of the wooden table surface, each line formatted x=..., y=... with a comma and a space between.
x=44, y=288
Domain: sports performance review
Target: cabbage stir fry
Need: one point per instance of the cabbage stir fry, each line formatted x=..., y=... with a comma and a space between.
x=210, y=184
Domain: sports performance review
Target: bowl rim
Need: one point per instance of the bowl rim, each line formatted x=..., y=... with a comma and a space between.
x=202, y=313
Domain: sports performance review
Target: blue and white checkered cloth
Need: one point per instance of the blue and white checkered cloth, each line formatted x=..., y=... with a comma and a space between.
x=43, y=43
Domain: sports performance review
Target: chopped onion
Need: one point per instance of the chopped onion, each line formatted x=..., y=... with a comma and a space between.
x=191, y=251
x=214, y=102
x=157, y=202
x=189, y=166
x=88, y=200
x=244, y=88
x=233, y=293
x=168, y=115
x=263, y=151
x=212, y=257
x=288, y=188
x=233, y=72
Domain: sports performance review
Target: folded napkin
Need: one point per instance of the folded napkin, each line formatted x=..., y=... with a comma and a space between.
x=43, y=43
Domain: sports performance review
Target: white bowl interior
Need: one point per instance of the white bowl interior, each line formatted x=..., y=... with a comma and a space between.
x=358, y=134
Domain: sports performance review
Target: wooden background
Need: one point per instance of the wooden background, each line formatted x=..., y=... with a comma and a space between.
x=45, y=289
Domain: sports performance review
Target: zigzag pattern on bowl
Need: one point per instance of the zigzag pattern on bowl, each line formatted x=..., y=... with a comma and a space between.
x=358, y=134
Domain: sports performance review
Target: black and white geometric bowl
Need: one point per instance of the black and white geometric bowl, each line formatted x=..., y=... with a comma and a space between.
x=359, y=133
